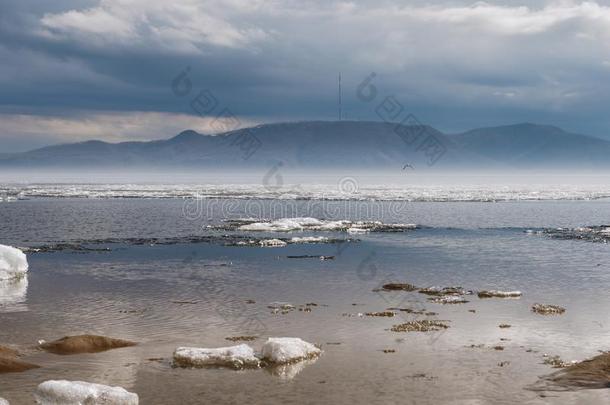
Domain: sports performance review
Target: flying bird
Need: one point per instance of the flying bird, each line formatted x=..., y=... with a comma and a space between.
x=408, y=165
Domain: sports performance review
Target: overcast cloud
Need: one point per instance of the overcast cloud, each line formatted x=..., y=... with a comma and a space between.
x=76, y=70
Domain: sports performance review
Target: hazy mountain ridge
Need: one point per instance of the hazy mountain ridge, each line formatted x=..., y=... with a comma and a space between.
x=334, y=144
x=531, y=144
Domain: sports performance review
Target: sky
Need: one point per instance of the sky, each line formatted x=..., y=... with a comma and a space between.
x=118, y=70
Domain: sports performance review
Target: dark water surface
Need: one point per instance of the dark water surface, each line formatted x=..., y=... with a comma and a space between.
x=165, y=296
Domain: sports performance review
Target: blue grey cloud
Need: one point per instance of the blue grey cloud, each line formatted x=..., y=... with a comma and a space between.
x=455, y=64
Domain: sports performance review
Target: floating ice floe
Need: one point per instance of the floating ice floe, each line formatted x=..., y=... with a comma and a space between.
x=62, y=392
x=237, y=357
x=357, y=230
x=272, y=243
x=281, y=242
x=314, y=224
x=309, y=239
x=589, y=233
x=275, y=353
x=287, y=350
x=13, y=263
x=3, y=401
x=499, y=294
x=283, y=225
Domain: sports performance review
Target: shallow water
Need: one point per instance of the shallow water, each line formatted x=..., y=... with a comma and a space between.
x=139, y=292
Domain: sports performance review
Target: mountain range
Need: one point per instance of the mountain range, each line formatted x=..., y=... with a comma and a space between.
x=335, y=144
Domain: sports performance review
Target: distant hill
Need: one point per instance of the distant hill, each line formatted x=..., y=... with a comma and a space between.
x=535, y=145
x=340, y=144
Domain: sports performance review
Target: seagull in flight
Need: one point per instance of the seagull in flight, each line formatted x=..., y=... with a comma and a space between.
x=408, y=165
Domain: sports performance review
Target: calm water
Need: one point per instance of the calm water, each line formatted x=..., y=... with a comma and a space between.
x=138, y=292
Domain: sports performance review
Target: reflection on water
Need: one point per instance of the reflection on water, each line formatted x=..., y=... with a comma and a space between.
x=287, y=372
x=167, y=296
x=13, y=295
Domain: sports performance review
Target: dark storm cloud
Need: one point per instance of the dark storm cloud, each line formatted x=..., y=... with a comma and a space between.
x=455, y=64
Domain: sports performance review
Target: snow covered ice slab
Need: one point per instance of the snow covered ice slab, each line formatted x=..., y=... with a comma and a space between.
x=13, y=263
x=272, y=243
x=3, y=401
x=283, y=225
x=286, y=350
x=309, y=239
x=238, y=357
x=62, y=392
x=313, y=224
x=357, y=230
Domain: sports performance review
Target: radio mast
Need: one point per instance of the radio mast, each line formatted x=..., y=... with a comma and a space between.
x=340, y=100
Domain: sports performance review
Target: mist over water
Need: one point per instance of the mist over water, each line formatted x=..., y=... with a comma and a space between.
x=280, y=183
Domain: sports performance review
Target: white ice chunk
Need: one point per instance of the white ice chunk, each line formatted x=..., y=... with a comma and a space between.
x=62, y=392
x=262, y=226
x=282, y=225
x=3, y=401
x=309, y=239
x=237, y=357
x=357, y=230
x=334, y=225
x=13, y=263
x=306, y=221
x=313, y=224
x=286, y=350
x=400, y=226
x=272, y=243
